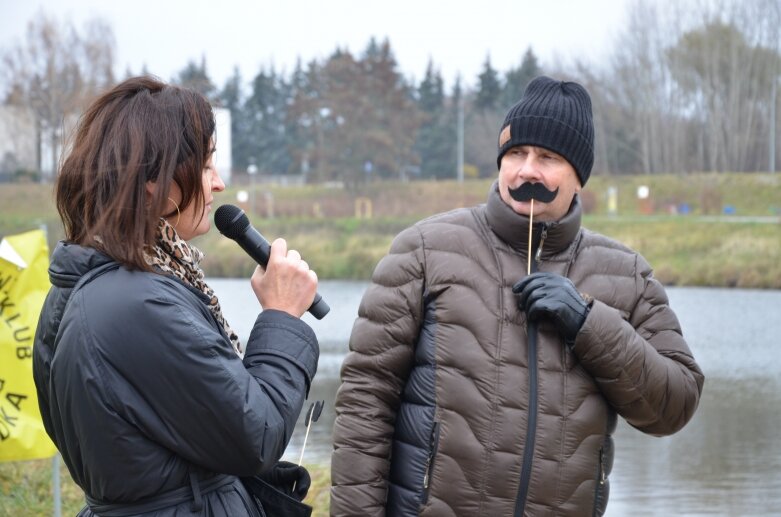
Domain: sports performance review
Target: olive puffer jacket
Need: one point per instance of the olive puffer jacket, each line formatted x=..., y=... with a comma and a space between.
x=140, y=389
x=446, y=406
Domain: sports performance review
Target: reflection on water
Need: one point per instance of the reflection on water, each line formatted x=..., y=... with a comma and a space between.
x=726, y=461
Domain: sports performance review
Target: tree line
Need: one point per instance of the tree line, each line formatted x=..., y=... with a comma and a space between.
x=686, y=88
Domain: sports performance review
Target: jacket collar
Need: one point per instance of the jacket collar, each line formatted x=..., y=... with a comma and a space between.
x=513, y=228
x=69, y=262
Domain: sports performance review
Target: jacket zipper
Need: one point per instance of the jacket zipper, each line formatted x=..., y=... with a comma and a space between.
x=434, y=444
x=543, y=236
x=601, y=479
x=531, y=428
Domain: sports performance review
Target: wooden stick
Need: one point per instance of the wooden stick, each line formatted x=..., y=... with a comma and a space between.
x=531, y=219
x=301, y=458
x=311, y=416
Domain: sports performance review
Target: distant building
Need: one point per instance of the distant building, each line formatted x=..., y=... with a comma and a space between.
x=223, y=158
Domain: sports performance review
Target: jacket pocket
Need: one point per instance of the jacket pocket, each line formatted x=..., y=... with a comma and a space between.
x=433, y=445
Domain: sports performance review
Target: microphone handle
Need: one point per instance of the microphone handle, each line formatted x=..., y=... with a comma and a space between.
x=259, y=249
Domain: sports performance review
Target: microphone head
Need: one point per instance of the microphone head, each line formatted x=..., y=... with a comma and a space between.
x=231, y=221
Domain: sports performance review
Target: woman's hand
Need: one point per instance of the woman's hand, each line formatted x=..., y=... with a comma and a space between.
x=287, y=284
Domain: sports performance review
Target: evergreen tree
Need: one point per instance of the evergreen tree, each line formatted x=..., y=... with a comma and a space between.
x=481, y=130
x=366, y=117
x=339, y=117
x=489, y=89
x=516, y=79
x=266, y=111
x=230, y=96
x=302, y=121
x=371, y=54
x=435, y=144
x=431, y=95
x=196, y=77
x=390, y=119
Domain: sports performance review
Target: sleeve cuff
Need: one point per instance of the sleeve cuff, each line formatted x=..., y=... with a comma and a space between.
x=281, y=334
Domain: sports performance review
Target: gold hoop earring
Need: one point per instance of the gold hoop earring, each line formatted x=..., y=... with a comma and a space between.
x=178, y=213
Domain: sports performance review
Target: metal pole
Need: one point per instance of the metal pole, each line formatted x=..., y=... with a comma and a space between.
x=460, y=164
x=252, y=170
x=252, y=193
x=772, y=157
x=56, y=485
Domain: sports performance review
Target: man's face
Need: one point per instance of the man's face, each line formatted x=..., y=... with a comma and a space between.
x=528, y=163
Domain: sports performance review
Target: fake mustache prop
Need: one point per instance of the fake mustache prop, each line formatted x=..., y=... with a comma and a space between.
x=531, y=191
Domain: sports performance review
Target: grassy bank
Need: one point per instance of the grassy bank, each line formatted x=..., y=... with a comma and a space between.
x=699, y=230
x=26, y=489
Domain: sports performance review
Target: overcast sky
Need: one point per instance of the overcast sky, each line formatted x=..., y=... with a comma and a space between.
x=456, y=35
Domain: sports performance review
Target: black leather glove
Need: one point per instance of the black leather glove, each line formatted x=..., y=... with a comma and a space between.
x=288, y=478
x=553, y=296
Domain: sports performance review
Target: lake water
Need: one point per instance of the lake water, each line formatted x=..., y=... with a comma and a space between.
x=725, y=462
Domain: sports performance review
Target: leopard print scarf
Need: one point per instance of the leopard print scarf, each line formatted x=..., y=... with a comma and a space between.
x=174, y=256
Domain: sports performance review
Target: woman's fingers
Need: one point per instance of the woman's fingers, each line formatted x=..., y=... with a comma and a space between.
x=293, y=255
x=278, y=249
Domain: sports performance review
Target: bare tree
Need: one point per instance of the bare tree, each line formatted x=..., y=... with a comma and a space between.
x=644, y=92
x=55, y=72
x=690, y=86
x=726, y=66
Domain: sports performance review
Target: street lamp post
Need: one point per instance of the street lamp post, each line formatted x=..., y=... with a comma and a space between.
x=460, y=140
x=252, y=170
x=772, y=132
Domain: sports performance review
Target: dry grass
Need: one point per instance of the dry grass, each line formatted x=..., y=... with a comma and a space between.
x=26, y=489
x=321, y=222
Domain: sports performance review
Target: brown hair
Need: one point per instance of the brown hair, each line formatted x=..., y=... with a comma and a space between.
x=141, y=130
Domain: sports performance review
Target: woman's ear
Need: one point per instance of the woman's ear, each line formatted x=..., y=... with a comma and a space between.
x=150, y=188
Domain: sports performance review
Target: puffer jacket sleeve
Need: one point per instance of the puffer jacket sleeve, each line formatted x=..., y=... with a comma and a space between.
x=640, y=361
x=373, y=375
x=184, y=388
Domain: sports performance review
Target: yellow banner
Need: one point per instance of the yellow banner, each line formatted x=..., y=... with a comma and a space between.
x=24, y=282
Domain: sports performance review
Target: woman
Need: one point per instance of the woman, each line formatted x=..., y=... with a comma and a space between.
x=154, y=404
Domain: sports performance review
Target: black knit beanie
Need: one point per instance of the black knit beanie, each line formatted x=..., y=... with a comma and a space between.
x=555, y=115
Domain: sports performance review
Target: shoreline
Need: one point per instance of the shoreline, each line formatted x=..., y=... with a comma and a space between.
x=696, y=230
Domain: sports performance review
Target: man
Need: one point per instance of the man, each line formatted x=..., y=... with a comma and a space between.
x=475, y=388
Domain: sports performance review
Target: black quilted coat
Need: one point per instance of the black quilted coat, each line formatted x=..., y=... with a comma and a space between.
x=141, y=391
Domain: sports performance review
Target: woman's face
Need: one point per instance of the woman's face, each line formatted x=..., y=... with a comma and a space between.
x=189, y=223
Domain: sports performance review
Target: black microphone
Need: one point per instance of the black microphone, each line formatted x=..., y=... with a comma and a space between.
x=233, y=223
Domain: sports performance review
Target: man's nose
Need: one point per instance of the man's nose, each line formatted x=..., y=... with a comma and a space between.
x=529, y=169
